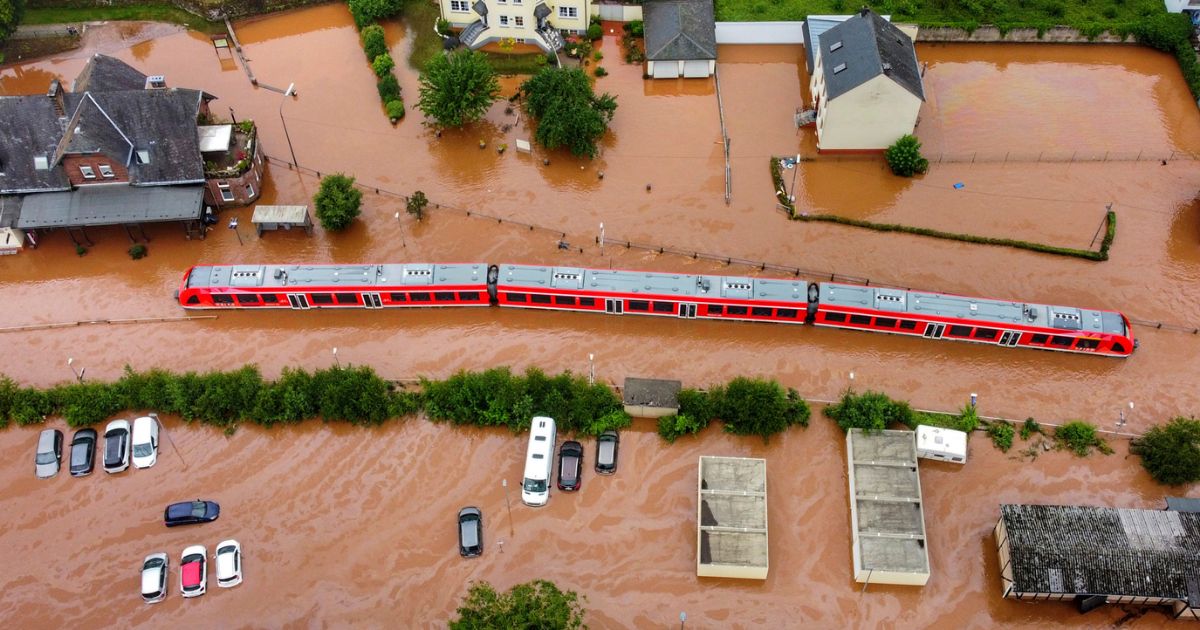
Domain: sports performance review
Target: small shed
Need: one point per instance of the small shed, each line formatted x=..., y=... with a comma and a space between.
x=681, y=38
x=651, y=397
x=267, y=218
x=942, y=444
x=731, y=519
x=11, y=240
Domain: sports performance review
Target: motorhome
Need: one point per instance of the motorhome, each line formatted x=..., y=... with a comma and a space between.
x=539, y=462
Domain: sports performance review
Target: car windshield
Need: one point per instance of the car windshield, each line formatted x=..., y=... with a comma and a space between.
x=45, y=458
x=143, y=450
x=531, y=485
x=226, y=549
x=199, y=509
x=153, y=563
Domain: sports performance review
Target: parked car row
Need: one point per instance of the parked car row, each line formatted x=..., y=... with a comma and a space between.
x=121, y=444
x=193, y=571
x=570, y=460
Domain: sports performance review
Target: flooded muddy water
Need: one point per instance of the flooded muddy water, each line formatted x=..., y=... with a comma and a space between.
x=626, y=543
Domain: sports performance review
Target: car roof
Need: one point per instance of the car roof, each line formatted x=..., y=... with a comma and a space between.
x=150, y=578
x=191, y=572
x=180, y=510
x=225, y=565
x=141, y=428
x=469, y=530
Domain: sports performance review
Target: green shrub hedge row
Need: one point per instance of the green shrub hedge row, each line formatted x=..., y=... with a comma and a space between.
x=874, y=411
x=374, y=45
x=745, y=406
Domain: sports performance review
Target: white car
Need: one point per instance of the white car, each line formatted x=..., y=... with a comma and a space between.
x=154, y=578
x=116, y=446
x=145, y=442
x=193, y=571
x=229, y=563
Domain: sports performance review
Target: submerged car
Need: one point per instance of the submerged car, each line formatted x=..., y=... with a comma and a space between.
x=49, y=453
x=570, y=465
x=470, y=532
x=606, y=452
x=229, y=563
x=83, y=452
x=145, y=442
x=193, y=571
x=116, y=446
x=154, y=578
x=191, y=512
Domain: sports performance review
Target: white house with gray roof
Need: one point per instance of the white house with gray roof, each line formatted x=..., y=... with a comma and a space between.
x=681, y=38
x=866, y=85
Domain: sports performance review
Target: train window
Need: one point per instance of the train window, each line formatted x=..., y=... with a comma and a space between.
x=247, y=299
x=193, y=299
x=1060, y=341
x=221, y=298
x=786, y=312
x=908, y=324
x=885, y=322
x=399, y=297
x=835, y=317
x=760, y=311
x=539, y=299
x=468, y=296
x=736, y=310
x=444, y=296
x=418, y=296
x=322, y=298
x=664, y=307
x=1088, y=344
x=346, y=298
x=986, y=333
x=960, y=331
x=270, y=298
x=716, y=309
x=1039, y=339
x=587, y=301
x=860, y=319
x=639, y=305
x=564, y=300
x=515, y=297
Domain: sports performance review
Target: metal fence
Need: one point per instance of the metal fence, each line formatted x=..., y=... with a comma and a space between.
x=1034, y=157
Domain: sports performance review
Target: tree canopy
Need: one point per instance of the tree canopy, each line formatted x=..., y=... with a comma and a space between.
x=458, y=88
x=367, y=11
x=568, y=112
x=905, y=157
x=1171, y=452
x=537, y=604
x=337, y=202
x=10, y=15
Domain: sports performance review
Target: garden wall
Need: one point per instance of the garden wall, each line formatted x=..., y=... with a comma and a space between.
x=760, y=32
x=616, y=12
x=209, y=9
x=1056, y=35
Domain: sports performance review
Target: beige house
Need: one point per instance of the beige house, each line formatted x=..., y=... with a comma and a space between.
x=866, y=85
x=537, y=22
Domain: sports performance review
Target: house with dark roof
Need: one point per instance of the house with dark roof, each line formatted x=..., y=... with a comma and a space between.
x=681, y=38
x=121, y=148
x=1097, y=555
x=866, y=85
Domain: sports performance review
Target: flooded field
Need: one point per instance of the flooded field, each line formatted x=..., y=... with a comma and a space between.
x=627, y=544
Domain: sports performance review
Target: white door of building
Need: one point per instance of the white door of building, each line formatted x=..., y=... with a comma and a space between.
x=611, y=12
x=666, y=70
x=695, y=69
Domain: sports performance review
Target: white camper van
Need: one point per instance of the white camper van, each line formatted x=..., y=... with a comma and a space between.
x=946, y=445
x=539, y=462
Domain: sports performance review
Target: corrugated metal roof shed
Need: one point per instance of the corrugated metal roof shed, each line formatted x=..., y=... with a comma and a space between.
x=111, y=204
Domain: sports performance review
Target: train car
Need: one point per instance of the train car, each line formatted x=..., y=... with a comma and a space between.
x=650, y=293
x=958, y=318
x=334, y=286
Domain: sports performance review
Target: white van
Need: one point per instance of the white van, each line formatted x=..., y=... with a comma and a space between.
x=539, y=462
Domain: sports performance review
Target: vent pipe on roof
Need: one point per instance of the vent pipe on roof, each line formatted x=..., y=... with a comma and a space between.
x=864, y=11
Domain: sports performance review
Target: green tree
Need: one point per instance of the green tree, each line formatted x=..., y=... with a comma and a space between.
x=367, y=11
x=337, y=202
x=11, y=12
x=458, y=88
x=905, y=157
x=1171, y=452
x=395, y=109
x=568, y=112
x=537, y=604
x=1080, y=437
x=373, y=41
x=416, y=205
x=382, y=65
x=761, y=407
x=870, y=411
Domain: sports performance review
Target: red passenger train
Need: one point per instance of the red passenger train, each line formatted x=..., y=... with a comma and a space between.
x=896, y=311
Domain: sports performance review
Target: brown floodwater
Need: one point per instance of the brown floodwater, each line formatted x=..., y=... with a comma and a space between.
x=626, y=543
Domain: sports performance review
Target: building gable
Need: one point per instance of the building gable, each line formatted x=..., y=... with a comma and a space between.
x=864, y=47
x=679, y=30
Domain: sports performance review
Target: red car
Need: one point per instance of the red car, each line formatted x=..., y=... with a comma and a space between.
x=193, y=571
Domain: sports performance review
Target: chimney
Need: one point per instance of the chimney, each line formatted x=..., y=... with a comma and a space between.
x=55, y=93
x=156, y=82
x=864, y=11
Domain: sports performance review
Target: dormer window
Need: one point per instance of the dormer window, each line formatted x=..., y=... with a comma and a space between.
x=142, y=156
x=106, y=171
x=87, y=172
x=40, y=162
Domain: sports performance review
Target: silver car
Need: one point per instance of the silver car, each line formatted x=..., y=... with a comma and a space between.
x=49, y=453
x=154, y=577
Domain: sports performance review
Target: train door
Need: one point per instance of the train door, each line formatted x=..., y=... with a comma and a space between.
x=371, y=300
x=687, y=311
x=934, y=331
x=1009, y=338
x=298, y=300
x=615, y=307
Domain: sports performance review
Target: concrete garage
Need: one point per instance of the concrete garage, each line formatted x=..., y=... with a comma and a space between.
x=681, y=39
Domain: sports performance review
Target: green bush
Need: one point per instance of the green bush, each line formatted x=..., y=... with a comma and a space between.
x=443, y=26
x=337, y=202
x=416, y=204
x=30, y=406
x=600, y=71
x=1029, y=427
x=1002, y=434
x=870, y=411
x=374, y=42
x=568, y=113
x=1164, y=31
x=458, y=88
x=366, y=12
x=536, y=604
x=594, y=31
x=1080, y=438
x=137, y=251
x=388, y=88
x=85, y=404
x=395, y=109
x=904, y=157
x=8, y=396
x=383, y=65
x=761, y=407
x=671, y=428
x=1171, y=452
x=637, y=28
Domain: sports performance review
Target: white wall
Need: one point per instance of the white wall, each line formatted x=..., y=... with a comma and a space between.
x=1175, y=6
x=872, y=116
x=760, y=32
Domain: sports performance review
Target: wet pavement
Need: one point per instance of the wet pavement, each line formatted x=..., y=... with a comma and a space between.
x=666, y=134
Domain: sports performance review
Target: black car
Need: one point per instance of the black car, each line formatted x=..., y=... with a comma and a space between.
x=470, y=532
x=570, y=465
x=606, y=452
x=191, y=512
x=83, y=452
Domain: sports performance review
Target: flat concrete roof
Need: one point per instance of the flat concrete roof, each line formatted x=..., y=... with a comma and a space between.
x=886, y=509
x=296, y=215
x=731, y=537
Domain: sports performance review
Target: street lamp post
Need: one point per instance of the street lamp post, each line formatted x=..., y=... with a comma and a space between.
x=290, y=92
x=591, y=368
x=335, y=359
x=1121, y=420
x=78, y=373
x=511, y=532
x=682, y=619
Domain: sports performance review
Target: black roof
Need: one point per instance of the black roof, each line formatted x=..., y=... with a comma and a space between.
x=868, y=46
x=104, y=74
x=1103, y=551
x=31, y=129
x=679, y=30
x=652, y=392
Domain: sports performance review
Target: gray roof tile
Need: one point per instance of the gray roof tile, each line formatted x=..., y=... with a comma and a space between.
x=31, y=128
x=104, y=74
x=679, y=30
x=869, y=46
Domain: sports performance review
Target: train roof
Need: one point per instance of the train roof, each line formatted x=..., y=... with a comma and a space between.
x=653, y=283
x=984, y=310
x=302, y=276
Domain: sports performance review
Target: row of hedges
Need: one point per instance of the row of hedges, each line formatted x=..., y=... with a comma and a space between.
x=374, y=45
x=744, y=406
